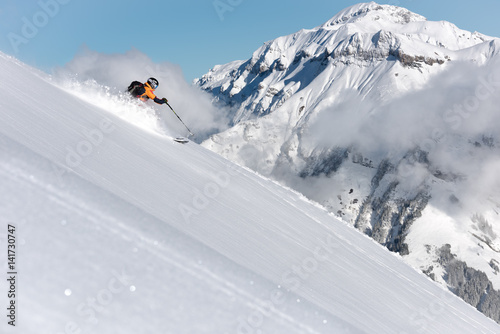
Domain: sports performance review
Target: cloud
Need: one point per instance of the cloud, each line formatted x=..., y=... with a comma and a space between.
x=100, y=77
x=454, y=119
x=462, y=101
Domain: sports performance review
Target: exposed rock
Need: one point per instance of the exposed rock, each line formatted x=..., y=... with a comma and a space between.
x=325, y=162
x=494, y=265
x=470, y=284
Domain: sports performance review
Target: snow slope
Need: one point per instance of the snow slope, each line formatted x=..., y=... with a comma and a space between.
x=120, y=230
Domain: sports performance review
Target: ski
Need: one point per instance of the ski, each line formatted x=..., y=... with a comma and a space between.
x=181, y=140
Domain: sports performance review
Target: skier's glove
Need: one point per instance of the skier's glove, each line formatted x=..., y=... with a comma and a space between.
x=164, y=100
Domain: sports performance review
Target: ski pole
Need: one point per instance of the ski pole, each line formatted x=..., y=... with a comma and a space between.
x=180, y=119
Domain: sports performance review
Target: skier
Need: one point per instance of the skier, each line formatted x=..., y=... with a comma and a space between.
x=145, y=91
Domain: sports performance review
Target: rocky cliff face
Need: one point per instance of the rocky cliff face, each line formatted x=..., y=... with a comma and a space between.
x=470, y=284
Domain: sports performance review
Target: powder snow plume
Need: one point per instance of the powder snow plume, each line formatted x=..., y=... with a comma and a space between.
x=102, y=79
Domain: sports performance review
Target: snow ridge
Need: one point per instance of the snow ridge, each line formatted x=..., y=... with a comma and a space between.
x=364, y=35
x=357, y=12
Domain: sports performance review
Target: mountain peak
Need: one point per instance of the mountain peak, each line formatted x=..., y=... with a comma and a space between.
x=374, y=12
x=405, y=47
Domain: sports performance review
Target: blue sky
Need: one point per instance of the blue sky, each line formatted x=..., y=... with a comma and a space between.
x=193, y=34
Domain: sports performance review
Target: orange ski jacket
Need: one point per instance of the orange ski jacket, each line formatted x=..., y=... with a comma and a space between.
x=148, y=94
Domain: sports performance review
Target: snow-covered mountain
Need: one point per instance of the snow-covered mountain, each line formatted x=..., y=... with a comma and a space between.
x=389, y=121
x=378, y=50
x=117, y=229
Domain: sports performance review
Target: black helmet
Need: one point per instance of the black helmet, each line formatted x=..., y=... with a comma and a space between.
x=153, y=83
